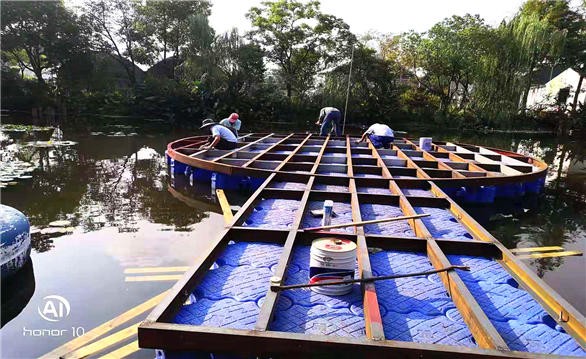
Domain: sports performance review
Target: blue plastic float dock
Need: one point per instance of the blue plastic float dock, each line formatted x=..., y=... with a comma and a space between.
x=225, y=304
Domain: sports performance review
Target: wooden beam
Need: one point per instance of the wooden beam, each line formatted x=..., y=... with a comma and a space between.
x=269, y=304
x=123, y=352
x=154, y=278
x=440, y=164
x=550, y=255
x=105, y=343
x=373, y=322
x=480, y=326
x=104, y=328
x=142, y=270
x=176, y=337
x=536, y=249
x=227, y=211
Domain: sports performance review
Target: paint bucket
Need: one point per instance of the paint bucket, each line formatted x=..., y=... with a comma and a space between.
x=425, y=143
x=331, y=260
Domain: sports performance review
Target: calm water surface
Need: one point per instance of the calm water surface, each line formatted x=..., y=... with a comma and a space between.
x=116, y=193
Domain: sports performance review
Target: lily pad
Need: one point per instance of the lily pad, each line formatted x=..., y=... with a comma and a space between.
x=61, y=223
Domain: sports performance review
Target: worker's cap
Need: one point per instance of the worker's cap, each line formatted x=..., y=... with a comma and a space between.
x=207, y=123
x=233, y=117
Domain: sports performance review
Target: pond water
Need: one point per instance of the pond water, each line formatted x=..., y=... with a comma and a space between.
x=125, y=216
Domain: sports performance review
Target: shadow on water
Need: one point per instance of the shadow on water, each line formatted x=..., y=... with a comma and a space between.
x=17, y=291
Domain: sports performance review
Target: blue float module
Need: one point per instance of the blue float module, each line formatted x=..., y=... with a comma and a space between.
x=413, y=309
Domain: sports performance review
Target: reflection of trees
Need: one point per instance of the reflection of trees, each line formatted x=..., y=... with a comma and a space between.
x=56, y=186
x=125, y=190
x=94, y=185
x=557, y=220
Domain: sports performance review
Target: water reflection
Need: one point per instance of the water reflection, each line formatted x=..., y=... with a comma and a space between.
x=102, y=182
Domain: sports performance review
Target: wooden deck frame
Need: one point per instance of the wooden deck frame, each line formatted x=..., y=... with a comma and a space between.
x=257, y=157
x=156, y=333
x=482, y=329
x=372, y=318
x=269, y=304
x=429, y=156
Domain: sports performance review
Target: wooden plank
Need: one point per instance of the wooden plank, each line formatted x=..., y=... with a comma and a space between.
x=142, y=270
x=227, y=211
x=154, y=278
x=122, y=352
x=249, y=343
x=536, y=249
x=104, y=343
x=550, y=255
x=373, y=322
x=268, y=306
x=104, y=328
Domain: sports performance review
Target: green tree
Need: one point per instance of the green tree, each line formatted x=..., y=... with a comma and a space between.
x=373, y=86
x=443, y=59
x=299, y=40
x=169, y=21
x=116, y=33
x=40, y=36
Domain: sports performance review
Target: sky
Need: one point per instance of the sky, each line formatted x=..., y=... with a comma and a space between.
x=383, y=16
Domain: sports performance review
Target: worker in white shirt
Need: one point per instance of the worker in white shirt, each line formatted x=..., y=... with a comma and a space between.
x=222, y=138
x=379, y=134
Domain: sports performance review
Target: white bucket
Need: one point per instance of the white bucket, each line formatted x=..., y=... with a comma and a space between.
x=425, y=143
x=332, y=260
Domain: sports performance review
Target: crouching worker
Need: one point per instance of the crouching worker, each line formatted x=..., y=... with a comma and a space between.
x=379, y=134
x=222, y=138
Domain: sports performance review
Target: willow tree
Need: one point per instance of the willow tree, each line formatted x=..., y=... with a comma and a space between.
x=508, y=61
x=539, y=42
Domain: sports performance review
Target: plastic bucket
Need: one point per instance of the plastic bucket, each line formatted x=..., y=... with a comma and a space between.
x=332, y=260
x=425, y=143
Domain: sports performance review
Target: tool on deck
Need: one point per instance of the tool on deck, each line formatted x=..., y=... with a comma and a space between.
x=363, y=223
x=277, y=288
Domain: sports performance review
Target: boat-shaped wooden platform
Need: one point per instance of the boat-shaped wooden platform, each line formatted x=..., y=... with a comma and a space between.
x=447, y=164
x=224, y=304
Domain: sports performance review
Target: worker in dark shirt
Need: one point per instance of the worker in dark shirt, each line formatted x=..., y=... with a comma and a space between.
x=327, y=116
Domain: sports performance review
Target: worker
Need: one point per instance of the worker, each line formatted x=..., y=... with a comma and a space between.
x=379, y=134
x=222, y=138
x=327, y=116
x=232, y=122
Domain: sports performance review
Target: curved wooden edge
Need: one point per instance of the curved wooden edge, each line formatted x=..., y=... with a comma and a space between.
x=442, y=182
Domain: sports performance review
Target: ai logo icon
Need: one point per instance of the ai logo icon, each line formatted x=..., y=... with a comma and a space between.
x=54, y=308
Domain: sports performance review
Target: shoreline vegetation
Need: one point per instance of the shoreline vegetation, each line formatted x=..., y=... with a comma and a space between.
x=162, y=63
